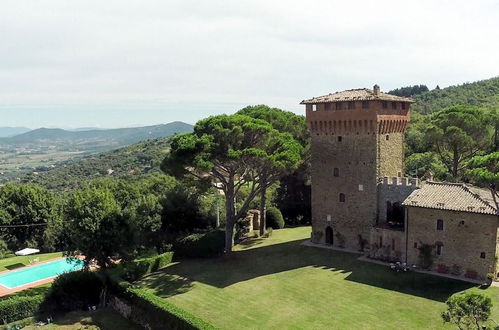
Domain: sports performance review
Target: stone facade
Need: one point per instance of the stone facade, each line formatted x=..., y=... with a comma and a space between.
x=362, y=202
x=393, y=191
x=468, y=240
x=353, y=143
x=387, y=244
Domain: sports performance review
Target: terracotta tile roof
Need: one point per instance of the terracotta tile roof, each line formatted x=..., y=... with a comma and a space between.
x=450, y=196
x=362, y=94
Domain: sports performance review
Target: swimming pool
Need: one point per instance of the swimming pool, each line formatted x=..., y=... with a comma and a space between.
x=40, y=272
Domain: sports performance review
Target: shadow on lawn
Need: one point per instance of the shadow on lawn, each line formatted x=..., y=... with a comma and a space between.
x=252, y=263
x=15, y=266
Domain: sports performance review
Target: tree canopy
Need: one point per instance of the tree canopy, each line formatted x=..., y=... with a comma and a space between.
x=458, y=134
x=231, y=152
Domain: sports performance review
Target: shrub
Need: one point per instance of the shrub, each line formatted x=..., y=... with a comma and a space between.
x=268, y=233
x=138, y=268
x=274, y=218
x=74, y=291
x=202, y=245
x=19, y=307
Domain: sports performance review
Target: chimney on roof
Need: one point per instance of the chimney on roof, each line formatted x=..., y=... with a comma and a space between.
x=376, y=89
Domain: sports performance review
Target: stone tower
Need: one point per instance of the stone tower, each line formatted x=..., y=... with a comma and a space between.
x=357, y=138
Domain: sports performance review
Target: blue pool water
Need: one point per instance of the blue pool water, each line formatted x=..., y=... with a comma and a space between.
x=32, y=274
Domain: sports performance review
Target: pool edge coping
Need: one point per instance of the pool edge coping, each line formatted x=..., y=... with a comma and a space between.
x=5, y=291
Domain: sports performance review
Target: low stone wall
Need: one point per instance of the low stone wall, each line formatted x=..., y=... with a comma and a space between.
x=387, y=244
x=125, y=310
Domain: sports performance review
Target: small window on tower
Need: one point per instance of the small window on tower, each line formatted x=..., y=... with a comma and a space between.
x=365, y=104
x=314, y=107
x=387, y=137
x=439, y=248
x=384, y=104
x=415, y=245
x=482, y=255
x=342, y=198
x=440, y=224
x=361, y=187
x=351, y=104
x=339, y=105
x=336, y=172
x=340, y=138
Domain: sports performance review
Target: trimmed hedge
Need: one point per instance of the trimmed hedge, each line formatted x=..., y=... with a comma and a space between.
x=19, y=307
x=274, y=218
x=136, y=269
x=147, y=309
x=202, y=245
x=158, y=313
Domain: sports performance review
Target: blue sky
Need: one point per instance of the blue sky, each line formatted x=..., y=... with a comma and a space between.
x=125, y=63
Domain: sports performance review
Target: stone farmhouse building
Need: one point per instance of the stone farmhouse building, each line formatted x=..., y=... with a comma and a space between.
x=361, y=201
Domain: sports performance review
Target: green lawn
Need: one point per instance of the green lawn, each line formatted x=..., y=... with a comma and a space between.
x=278, y=283
x=16, y=262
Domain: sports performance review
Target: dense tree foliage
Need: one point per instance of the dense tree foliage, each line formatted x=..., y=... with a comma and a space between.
x=293, y=195
x=30, y=216
x=468, y=310
x=457, y=134
x=96, y=226
x=230, y=152
x=409, y=91
x=484, y=171
x=128, y=163
x=484, y=93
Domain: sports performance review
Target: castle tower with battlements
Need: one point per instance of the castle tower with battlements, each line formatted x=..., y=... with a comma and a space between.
x=357, y=139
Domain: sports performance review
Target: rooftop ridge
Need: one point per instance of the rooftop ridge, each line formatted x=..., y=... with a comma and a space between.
x=480, y=205
x=357, y=94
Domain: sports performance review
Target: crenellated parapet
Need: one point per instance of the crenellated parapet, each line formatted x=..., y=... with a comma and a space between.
x=400, y=181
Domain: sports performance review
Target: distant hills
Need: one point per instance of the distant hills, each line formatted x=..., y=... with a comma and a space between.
x=483, y=93
x=131, y=161
x=11, y=131
x=43, y=149
x=98, y=138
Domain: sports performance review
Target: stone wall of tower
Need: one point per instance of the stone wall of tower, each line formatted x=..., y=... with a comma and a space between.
x=354, y=157
x=353, y=141
x=391, y=154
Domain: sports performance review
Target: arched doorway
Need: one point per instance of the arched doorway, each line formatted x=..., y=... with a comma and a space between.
x=329, y=235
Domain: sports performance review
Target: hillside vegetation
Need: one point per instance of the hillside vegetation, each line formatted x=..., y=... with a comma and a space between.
x=483, y=93
x=43, y=149
x=140, y=158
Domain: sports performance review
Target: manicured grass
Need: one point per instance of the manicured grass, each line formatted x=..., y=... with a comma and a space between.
x=104, y=319
x=16, y=262
x=278, y=283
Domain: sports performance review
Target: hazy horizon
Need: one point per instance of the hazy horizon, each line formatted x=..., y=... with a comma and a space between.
x=125, y=63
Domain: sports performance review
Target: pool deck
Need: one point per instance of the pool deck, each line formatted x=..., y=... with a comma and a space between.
x=5, y=291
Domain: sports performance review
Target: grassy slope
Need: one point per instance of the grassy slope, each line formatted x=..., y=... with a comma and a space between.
x=278, y=283
x=16, y=262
